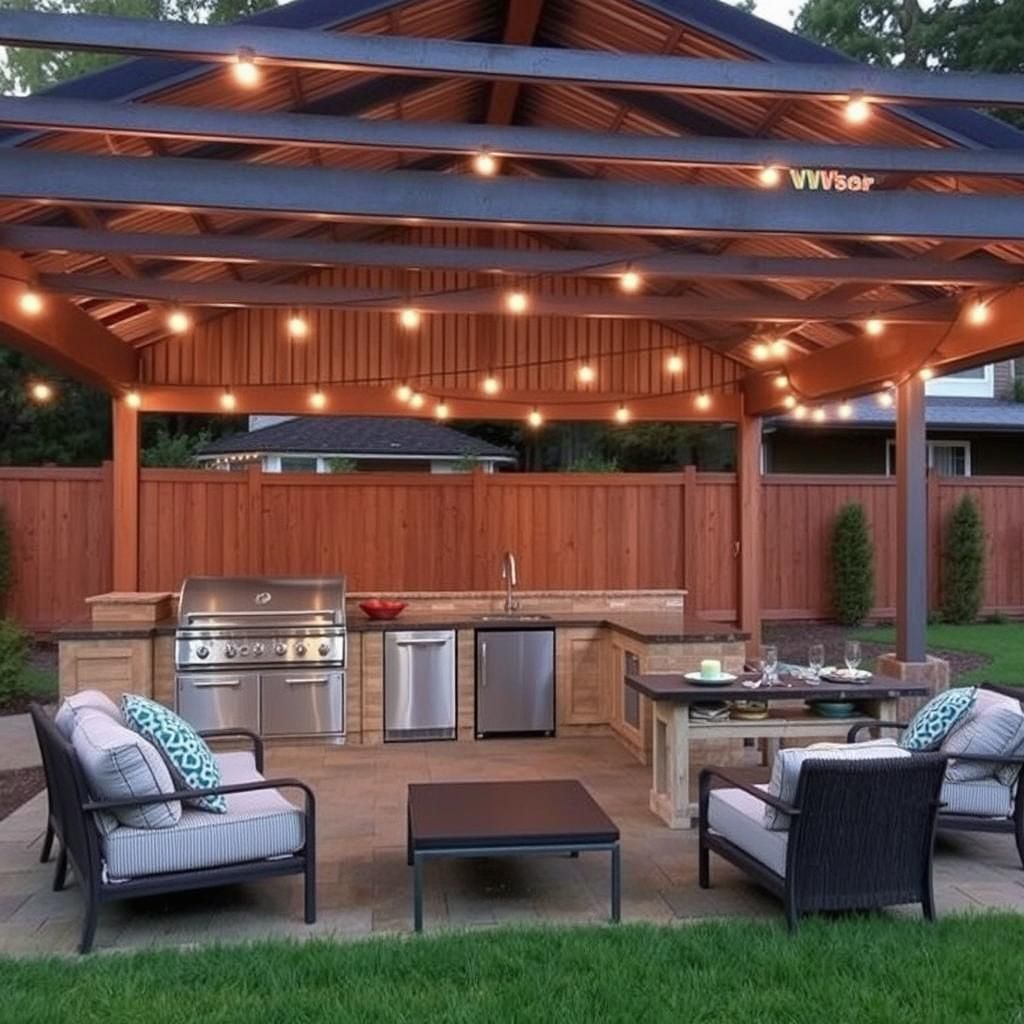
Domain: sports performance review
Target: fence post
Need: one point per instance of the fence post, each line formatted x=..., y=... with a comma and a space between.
x=690, y=535
x=254, y=504
x=478, y=532
x=934, y=505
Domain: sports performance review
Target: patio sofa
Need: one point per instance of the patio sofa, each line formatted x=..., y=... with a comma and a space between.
x=984, y=754
x=151, y=844
x=833, y=832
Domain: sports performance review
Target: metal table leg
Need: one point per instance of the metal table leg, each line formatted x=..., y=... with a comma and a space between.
x=417, y=892
x=616, y=885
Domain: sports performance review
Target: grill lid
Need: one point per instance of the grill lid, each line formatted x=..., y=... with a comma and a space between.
x=245, y=601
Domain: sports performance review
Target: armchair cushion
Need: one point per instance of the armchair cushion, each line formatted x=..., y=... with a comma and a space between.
x=84, y=700
x=257, y=826
x=739, y=817
x=117, y=764
x=984, y=798
x=993, y=727
x=932, y=723
x=190, y=759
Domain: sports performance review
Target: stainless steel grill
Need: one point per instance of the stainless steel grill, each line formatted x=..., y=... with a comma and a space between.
x=261, y=653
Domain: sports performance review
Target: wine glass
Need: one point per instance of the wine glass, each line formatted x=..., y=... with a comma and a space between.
x=816, y=661
x=769, y=663
x=851, y=654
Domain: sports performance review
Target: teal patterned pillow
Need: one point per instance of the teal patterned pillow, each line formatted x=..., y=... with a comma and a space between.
x=190, y=759
x=930, y=726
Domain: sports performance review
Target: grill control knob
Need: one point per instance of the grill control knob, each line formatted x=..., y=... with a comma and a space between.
x=324, y=649
x=279, y=649
x=202, y=651
x=230, y=650
x=300, y=648
x=257, y=649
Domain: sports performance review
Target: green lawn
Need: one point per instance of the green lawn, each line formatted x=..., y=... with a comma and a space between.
x=858, y=970
x=1002, y=642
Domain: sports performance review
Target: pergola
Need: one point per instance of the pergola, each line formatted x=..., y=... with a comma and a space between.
x=536, y=209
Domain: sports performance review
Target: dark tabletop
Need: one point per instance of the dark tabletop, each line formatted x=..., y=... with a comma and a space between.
x=674, y=687
x=482, y=814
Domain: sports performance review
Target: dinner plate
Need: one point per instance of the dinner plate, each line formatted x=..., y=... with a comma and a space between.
x=722, y=679
x=833, y=674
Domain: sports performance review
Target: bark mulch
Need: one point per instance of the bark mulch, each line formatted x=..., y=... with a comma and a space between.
x=17, y=786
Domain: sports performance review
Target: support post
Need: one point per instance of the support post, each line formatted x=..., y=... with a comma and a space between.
x=748, y=480
x=126, y=496
x=911, y=522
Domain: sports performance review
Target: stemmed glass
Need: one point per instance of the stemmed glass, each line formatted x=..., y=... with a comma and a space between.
x=816, y=661
x=852, y=655
x=769, y=664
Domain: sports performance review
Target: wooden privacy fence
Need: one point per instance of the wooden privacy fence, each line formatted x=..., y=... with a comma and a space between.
x=447, y=532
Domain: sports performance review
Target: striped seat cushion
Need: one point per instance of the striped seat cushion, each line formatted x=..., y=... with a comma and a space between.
x=986, y=798
x=257, y=826
x=739, y=817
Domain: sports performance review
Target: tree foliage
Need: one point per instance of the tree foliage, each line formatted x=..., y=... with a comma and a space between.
x=29, y=70
x=963, y=563
x=174, y=451
x=852, y=557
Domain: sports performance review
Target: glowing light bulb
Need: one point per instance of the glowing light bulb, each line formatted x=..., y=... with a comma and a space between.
x=789, y=401
x=586, y=374
x=41, y=391
x=491, y=385
x=298, y=327
x=516, y=302
x=133, y=400
x=779, y=347
x=416, y=400
x=874, y=327
x=622, y=414
x=246, y=72
x=31, y=302
x=318, y=400
x=535, y=419
x=845, y=410
x=978, y=313
x=227, y=400
x=674, y=363
x=403, y=392
x=769, y=176
x=630, y=281
x=485, y=164
x=857, y=110
x=800, y=412
x=761, y=351
x=703, y=401
x=885, y=399
x=441, y=410
x=179, y=321
x=820, y=416
x=781, y=381
x=926, y=373
x=410, y=318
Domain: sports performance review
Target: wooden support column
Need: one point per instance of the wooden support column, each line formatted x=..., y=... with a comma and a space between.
x=126, y=496
x=748, y=485
x=911, y=522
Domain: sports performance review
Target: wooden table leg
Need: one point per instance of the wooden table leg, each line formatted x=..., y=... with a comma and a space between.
x=670, y=789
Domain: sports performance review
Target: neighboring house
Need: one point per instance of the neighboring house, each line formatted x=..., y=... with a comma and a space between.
x=975, y=428
x=327, y=444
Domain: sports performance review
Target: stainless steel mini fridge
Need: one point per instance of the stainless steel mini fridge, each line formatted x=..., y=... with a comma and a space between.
x=515, y=681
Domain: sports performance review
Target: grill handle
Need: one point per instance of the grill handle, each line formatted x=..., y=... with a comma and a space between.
x=425, y=642
x=215, y=683
x=307, y=680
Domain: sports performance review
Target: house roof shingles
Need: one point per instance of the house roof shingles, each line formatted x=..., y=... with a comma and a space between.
x=358, y=436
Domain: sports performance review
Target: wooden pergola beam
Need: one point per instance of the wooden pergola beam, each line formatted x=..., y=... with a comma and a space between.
x=206, y=124
x=256, y=294
x=443, y=58
x=411, y=197
x=61, y=335
x=316, y=252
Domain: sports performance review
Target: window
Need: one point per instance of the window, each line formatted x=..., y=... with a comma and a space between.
x=296, y=464
x=977, y=382
x=947, y=458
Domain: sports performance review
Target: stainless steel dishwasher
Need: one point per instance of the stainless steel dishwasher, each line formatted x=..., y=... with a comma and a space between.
x=515, y=681
x=419, y=685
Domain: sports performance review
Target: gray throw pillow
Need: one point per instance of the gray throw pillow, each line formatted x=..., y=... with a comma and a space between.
x=118, y=764
x=994, y=727
x=84, y=700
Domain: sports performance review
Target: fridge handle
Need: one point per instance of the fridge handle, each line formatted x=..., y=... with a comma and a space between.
x=483, y=663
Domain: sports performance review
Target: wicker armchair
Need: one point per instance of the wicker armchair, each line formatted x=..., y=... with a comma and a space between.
x=860, y=837
x=959, y=812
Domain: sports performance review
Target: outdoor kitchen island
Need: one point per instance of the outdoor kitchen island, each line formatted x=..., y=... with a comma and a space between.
x=599, y=638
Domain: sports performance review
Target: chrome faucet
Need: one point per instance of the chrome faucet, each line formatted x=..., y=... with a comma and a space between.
x=511, y=578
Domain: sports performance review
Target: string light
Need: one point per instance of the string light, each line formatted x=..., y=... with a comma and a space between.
x=779, y=347
x=674, y=363
x=874, y=327
x=516, y=302
x=318, y=400
x=30, y=302
x=410, y=318
x=485, y=164
x=535, y=419
x=926, y=373
x=978, y=313
x=885, y=399
x=491, y=384
x=403, y=392
x=703, y=401
x=586, y=374
x=789, y=401
x=781, y=381
x=761, y=351
x=227, y=399
x=178, y=320
x=416, y=400
x=245, y=71
x=622, y=414
x=845, y=410
x=298, y=327
x=41, y=392
x=769, y=176
x=133, y=400
x=630, y=281
x=857, y=110
x=820, y=416
x=800, y=412
x=441, y=410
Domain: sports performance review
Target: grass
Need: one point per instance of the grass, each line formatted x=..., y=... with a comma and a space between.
x=854, y=970
x=1002, y=642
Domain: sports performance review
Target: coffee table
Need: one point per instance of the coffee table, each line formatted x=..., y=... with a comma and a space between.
x=503, y=819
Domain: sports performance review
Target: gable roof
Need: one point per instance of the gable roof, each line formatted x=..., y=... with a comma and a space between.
x=361, y=436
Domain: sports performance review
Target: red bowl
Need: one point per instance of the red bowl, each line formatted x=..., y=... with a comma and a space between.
x=380, y=609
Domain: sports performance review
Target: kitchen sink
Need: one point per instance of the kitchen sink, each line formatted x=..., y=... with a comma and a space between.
x=513, y=617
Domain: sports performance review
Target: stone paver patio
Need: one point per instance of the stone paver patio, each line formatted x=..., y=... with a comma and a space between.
x=365, y=885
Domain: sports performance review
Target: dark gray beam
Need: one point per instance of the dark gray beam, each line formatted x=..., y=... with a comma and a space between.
x=151, y=121
x=312, y=252
x=416, y=197
x=444, y=58
x=487, y=300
